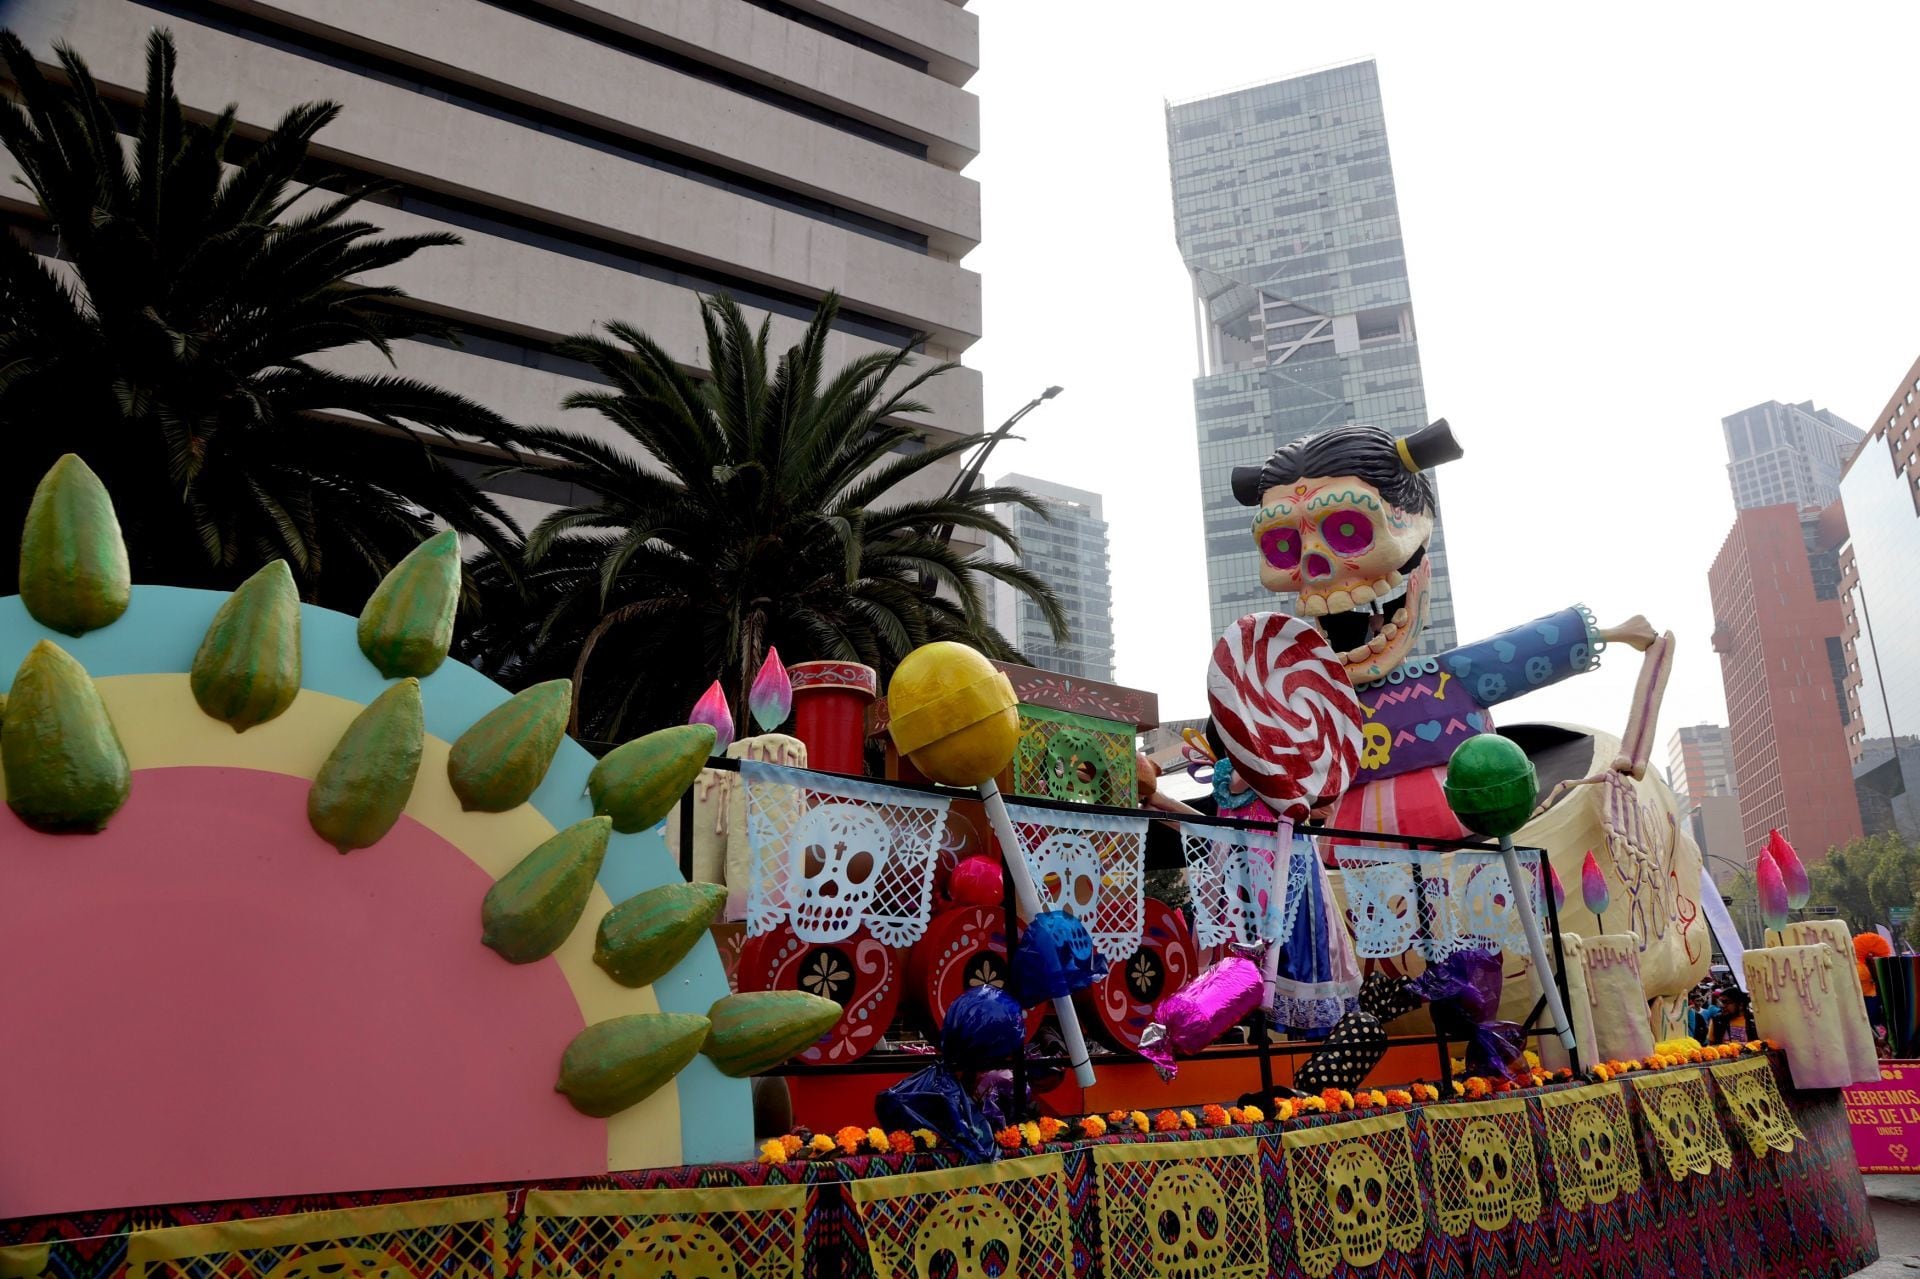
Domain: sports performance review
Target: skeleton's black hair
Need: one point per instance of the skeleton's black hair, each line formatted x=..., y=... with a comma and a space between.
x=1365, y=452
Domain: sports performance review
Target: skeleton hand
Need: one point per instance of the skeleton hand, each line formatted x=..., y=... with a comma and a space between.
x=1636, y=633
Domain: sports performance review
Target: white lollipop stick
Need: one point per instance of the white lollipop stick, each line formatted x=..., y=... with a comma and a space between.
x=1027, y=898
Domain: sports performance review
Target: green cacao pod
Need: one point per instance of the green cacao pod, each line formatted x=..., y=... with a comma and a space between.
x=615, y=1064
x=532, y=908
x=65, y=767
x=363, y=786
x=754, y=1031
x=407, y=626
x=73, y=563
x=499, y=762
x=642, y=938
x=248, y=668
x=639, y=783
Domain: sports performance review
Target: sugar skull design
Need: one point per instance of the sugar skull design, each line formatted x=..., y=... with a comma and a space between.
x=1596, y=1153
x=1754, y=1100
x=842, y=850
x=1486, y=1170
x=340, y=1263
x=1677, y=1130
x=1066, y=873
x=682, y=1249
x=1187, y=1223
x=970, y=1236
x=1076, y=766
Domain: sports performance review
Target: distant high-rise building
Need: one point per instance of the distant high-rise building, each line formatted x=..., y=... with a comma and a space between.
x=1787, y=454
x=1777, y=628
x=605, y=162
x=1284, y=209
x=1069, y=553
x=1881, y=491
x=1700, y=761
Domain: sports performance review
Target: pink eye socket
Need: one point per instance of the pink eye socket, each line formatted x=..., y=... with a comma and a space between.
x=1347, y=532
x=1281, y=546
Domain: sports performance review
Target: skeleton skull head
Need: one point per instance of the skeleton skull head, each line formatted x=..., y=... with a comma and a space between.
x=1486, y=1166
x=1245, y=884
x=1376, y=744
x=1683, y=1143
x=1066, y=873
x=1343, y=522
x=1187, y=1223
x=1076, y=766
x=1593, y=1151
x=670, y=1249
x=1357, y=1198
x=970, y=1236
x=1483, y=896
x=842, y=849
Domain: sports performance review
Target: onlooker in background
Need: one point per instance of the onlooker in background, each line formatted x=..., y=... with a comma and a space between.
x=1733, y=1024
x=1698, y=1018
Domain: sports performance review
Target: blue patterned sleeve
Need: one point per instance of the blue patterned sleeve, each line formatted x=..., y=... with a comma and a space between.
x=1518, y=661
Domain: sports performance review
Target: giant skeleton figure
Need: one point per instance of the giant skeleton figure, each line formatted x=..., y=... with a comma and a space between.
x=1343, y=523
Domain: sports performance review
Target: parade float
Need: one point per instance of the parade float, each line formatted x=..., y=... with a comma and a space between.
x=332, y=959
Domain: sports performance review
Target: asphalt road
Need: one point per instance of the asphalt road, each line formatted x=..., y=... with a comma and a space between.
x=1896, y=1220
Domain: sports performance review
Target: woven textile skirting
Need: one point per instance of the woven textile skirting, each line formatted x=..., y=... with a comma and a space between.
x=1716, y=1172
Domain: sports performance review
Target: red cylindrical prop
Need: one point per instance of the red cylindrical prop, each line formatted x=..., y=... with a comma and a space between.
x=830, y=713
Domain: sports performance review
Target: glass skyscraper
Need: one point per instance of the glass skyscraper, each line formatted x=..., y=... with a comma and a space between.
x=1067, y=549
x=1787, y=454
x=1283, y=206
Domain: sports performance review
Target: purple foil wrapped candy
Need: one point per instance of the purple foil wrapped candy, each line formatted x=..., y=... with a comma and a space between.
x=1463, y=992
x=1201, y=1011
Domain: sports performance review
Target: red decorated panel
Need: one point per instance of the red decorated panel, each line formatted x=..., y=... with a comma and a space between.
x=964, y=947
x=1125, y=998
x=859, y=974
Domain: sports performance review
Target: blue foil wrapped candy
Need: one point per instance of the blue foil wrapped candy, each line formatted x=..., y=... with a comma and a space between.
x=1053, y=960
x=985, y=1027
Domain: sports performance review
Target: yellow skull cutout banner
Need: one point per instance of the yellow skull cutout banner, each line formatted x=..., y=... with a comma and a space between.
x=1595, y=1159
x=748, y=1232
x=1001, y=1221
x=1483, y=1166
x=1182, y=1210
x=1354, y=1193
x=1676, y=1110
x=1752, y=1097
x=461, y=1236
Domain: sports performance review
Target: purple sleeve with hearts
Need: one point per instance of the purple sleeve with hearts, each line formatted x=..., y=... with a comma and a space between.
x=1419, y=714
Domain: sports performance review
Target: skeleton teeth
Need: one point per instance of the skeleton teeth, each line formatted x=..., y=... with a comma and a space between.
x=1378, y=643
x=1382, y=588
x=1363, y=594
x=1394, y=578
x=1360, y=654
x=1390, y=630
x=1313, y=605
x=1400, y=617
x=1339, y=602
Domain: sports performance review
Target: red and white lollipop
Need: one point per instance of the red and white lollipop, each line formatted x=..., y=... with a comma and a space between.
x=1286, y=711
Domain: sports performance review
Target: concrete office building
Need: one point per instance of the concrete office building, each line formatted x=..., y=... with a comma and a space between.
x=1700, y=761
x=1777, y=628
x=1787, y=454
x=1066, y=549
x=1284, y=210
x=611, y=159
x=1881, y=492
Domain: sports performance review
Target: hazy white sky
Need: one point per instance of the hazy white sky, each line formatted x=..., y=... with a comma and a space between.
x=1622, y=223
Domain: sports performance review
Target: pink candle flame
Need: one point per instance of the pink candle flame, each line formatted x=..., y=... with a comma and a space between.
x=1792, y=870
x=1773, y=891
x=1593, y=885
x=1558, y=889
x=771, y=699
x=712, y=709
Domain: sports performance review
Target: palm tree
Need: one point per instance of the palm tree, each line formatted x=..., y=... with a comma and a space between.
x=171, y=343
x=728, y=515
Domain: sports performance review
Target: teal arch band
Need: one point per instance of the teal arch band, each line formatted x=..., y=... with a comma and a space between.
x=161, y=631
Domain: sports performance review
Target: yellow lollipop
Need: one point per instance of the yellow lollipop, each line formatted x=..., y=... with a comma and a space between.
x=956, y=718
x=953, y=714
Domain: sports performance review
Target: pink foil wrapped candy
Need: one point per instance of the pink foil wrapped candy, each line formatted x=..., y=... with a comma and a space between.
x=770, y=700
x=712, y=709
x=1201, y=1011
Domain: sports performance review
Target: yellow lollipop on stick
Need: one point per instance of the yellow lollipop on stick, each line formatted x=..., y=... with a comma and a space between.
x=955, y=717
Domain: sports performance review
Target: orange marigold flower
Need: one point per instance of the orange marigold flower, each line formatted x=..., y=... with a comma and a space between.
x=849, y=1139
x=877, y=1141
x=791, y=1144
x=1050, y=1127
x=1478, y=1088
x=1008, y=1138
x=1311, y=1105
x=900, y=1142
x=1094, y=1126
x=820, y=1145
x=1377, y=1097
x=1031, y=1132
x=1138, y=1118
x=926, y=1137
x=1118, y=1118
x=1459, y=1089
x=1363, y=1100
x=1601, y=1073
x=1252, y=1115
x=1332, y=1098
x=1399, y=1097
x=1165, y=1121
x=773, y=1152
x=1216, y=1116
x=1346, y=1099
x=1187, y=1120
x=1282, y=1109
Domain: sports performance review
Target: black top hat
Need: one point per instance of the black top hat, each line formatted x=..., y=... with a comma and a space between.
x=1429, y=446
